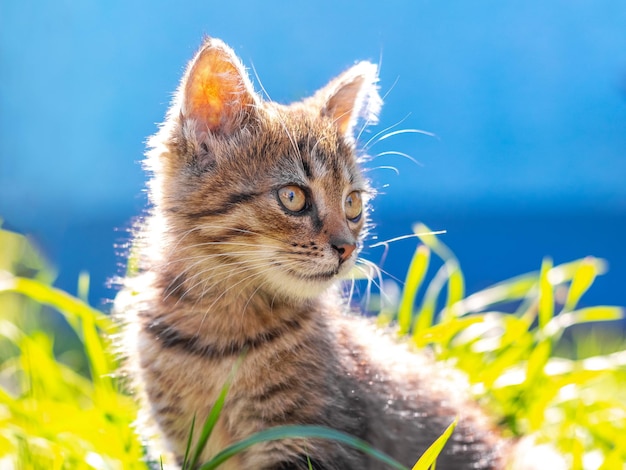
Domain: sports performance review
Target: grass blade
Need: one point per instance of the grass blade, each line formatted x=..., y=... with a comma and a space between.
x=427, y=460
x=456, y=288
x=188, y=446
x=415, y=277
x=71, y=307
x=214, y=415
x=455, y=279
x=546, y=294
x=300, y=432
x=426, y=314
x=537, y=362
x=442, y=333
x=506, y=291
x=84, y=320
x=566, y=272
x=599, y=313
x=583, y=278
x=428, y=238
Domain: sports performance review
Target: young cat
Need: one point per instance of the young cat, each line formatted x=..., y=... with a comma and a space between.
x=257, y=210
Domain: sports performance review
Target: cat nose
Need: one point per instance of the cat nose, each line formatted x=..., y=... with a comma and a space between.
x=343, y=248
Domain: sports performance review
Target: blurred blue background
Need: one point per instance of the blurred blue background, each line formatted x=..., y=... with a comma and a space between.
x=527, y=99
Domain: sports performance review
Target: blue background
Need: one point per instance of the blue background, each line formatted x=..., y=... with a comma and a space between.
x=527, y=99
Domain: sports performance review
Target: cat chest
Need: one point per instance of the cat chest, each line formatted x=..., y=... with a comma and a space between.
x=179, y=388
x=271, y=386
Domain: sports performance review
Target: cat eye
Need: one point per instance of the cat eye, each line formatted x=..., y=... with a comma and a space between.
x=292, y=198
x=353, y=206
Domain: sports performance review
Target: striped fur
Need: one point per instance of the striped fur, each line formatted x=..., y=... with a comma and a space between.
x=227, y=268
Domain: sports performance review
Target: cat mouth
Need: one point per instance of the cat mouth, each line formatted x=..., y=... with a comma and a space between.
x=323, y=276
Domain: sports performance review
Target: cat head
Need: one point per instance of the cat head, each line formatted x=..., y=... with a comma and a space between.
x=257, y=193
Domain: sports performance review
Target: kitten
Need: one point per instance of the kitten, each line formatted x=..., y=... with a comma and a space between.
x=257, y=210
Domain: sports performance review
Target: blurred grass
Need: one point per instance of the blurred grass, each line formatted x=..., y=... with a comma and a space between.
x=60, y=406
x=569, y=389
x=541, y=369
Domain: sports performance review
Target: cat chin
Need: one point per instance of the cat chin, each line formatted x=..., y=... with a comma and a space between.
x=299, y=288
x=307, y=286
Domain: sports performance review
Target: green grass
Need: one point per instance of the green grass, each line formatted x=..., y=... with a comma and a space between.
x=570, y=390
x=537, y=369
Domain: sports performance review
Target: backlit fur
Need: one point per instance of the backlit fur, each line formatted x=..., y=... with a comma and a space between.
x=225, y=269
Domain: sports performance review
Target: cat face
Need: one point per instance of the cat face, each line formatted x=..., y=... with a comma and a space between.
x=257, y=195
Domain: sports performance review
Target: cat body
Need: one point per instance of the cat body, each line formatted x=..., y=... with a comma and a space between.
x=257, y=210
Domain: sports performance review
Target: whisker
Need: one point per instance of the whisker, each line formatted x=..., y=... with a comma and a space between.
x=251, y=267
x=207, y=287
x=255, y=274
x=317, y=142
x=265, y=261
x=207, y=258
x=364, y=126
x=407, y=131
x=258, y=79
x=386, y=243
x=224, y=243
x=383, y=167
x=204, y=256
x=184, y=235
x=401, y=154
x=373, y=267
x=240, y=230
x=380, y=270
x=379, y=133
x=378, y=284
x=280, y=118
x=405, y=237
x=211, y=256
x=368, y=289
x=226, y=227
x=245, y=307
x=393, y=85
x=352, y=287
x=208, y=270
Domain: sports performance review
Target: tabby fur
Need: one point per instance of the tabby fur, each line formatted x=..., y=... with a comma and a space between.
x=225, y=269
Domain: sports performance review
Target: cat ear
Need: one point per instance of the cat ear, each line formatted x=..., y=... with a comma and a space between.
x=217, y=93
x=351, y=96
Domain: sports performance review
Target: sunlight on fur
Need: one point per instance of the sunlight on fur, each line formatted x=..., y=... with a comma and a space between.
x=258, y=211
